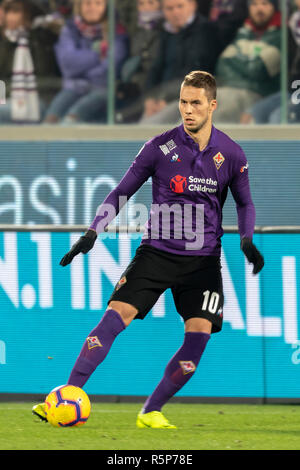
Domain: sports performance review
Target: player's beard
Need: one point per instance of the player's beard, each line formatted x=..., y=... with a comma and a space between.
x=198, y=127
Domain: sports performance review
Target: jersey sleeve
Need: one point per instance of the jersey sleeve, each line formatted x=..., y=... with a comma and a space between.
x=240, y=189
x=137, y=174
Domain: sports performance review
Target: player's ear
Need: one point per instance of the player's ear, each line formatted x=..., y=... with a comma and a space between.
x=213, y=105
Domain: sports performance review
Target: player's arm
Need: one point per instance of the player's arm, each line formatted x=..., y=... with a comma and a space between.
x=241, y=193
x=138, y=173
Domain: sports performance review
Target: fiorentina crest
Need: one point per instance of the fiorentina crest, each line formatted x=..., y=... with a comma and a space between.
x=218, y=159
x=187, y=367
x=93, y=342
x=121, y=282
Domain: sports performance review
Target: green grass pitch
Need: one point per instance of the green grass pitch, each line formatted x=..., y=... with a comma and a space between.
x=111, y=426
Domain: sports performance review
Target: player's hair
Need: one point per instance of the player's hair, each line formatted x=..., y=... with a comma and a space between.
x=201, y=79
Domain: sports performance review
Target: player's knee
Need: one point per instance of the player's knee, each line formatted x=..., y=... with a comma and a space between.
x=126, y=311
x=200, y=325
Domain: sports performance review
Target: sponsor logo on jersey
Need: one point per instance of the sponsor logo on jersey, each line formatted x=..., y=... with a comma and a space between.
x=219, y=160
x=244, y=168
x=93, y=342
x=178, y=184
x=171, y=145
x=205, y=185
x=168, y=147
x=164, y=149
x=187, y=367
x=175, y=158
x=121, y=282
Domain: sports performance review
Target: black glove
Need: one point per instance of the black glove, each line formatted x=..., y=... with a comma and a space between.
x=83, y=245
x=252, y=254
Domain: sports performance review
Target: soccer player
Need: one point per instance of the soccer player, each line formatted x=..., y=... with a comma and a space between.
x=192, y=166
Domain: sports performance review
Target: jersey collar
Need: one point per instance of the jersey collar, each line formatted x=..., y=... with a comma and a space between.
x=188, y=140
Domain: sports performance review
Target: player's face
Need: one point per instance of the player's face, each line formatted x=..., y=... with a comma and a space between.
x=261, y=11
x=195, y=109
x=178, y=12
x=92, y=11
x=148, y=5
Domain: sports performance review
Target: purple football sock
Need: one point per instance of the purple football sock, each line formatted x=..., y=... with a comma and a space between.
x=96, y=347
x=178, y=371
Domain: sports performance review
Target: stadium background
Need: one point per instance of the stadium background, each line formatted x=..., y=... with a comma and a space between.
x=52, y=179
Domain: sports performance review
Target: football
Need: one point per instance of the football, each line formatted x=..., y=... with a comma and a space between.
x=67, y=406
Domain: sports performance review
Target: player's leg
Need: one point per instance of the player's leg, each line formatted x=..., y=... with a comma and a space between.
x=197, y=325
x=178, y=372
x=134, y=294
x=98, y=343
x=199, y=300
x=139, y=288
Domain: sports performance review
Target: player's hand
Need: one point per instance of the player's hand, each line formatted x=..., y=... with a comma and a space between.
x=253, y=255
x=83, y=245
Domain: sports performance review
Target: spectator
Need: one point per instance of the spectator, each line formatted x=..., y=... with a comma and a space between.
x=55, y=14
x=294, y=23
x=27, y=63
x=204, y=7
x=268, y=110
x=1, y=14
x=128, y=14
x=143, y=51
x=294, y=56
x=82, y=52
x=187, y=42
x=229, y=16
x=249, y=68
x=62, y=7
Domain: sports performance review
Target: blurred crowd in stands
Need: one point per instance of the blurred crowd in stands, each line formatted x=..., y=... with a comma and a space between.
x=54, y=59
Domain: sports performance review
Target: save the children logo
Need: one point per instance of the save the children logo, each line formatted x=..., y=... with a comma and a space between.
x=178, y=184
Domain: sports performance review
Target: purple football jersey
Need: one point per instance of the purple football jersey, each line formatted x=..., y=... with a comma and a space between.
x=189, y=188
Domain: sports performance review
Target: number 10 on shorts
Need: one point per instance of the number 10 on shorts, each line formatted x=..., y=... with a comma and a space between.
x=211, y=301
